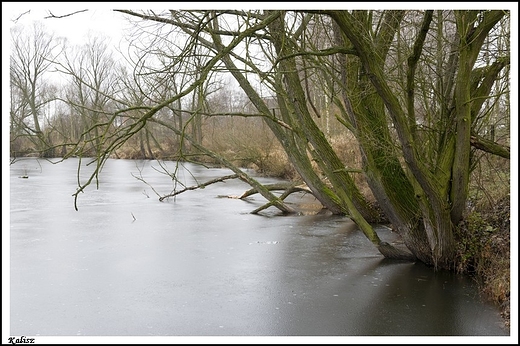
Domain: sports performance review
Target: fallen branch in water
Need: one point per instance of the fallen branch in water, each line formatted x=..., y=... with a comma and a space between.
x=288, y=189
x=200, y=186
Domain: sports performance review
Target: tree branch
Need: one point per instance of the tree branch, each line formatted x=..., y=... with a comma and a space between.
x=51, y=15
x=200, y=186
x=288, y=187
x=288, y=190
x=321, y=52
x=413, y=59
x=490, y=146
x=20, y=16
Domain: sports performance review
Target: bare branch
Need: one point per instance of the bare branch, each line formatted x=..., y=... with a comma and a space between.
x=20, y=16
x=200, y=186
x=287, y=187
x=51, y=15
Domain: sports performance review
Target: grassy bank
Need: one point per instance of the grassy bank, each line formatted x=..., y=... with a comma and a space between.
x=485, y=252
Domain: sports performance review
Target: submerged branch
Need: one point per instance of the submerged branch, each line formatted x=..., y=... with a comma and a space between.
x=288, y=187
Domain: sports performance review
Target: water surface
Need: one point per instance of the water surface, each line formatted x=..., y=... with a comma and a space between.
x=126, y=264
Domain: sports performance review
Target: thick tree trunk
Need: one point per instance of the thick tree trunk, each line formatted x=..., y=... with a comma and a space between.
x=412, y=200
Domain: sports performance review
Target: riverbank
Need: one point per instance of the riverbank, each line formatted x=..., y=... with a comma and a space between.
x=486, y=254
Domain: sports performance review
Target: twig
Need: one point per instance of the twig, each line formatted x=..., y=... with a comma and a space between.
x=65, y=15
x=20, y=16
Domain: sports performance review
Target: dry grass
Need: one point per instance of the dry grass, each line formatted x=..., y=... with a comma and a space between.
x=485, y=252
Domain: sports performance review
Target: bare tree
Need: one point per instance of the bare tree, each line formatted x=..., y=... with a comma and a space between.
x=32, y=56
x=91, y=93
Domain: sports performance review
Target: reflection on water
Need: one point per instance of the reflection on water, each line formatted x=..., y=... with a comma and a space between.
x=197, y=264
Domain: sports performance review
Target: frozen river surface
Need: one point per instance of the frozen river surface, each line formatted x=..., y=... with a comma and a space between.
x=126, y=264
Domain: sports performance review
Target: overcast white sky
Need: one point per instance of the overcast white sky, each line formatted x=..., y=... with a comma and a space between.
x=97, y=20
x=101, y=19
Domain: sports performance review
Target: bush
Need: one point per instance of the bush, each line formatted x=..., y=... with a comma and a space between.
x=484, y=251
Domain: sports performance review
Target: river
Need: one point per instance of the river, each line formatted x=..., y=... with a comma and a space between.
x=126, y=264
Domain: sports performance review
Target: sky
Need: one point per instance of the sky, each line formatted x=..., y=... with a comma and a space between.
x=99, y=19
